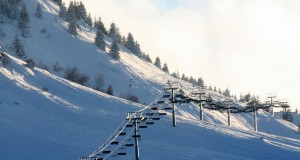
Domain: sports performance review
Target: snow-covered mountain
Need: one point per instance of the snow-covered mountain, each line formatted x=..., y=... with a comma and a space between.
x=43, y=116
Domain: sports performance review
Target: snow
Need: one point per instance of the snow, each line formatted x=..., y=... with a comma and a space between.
x=43, y=116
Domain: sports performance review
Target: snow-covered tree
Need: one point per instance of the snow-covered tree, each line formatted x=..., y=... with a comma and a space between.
x=18, y=48
x=200, y=82
x=130, y=42
x=147, y=58
x=157, y=63
x=23, y=23
x=226, y=93
x=114, y=51
x=109, y=90
x=59, y=2
x=114, y=33
x=80, y=11
x=38, y=11
x=72, y=28
x=99, y=82
x=137, y=50
x=99, y=40
x=98, y=24
x=165, y=68
x=88, y=20
x=63, y=11
x=71, y=12
x=11, y=9
x=30, y=63
x=4, y=59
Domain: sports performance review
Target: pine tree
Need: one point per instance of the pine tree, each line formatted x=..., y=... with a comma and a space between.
x=98, y=24
x=18, y=48
x=59, y=2
x=71, y=13
x=110, y=90
x=89, y=20
x=23, y=24
x=165, y=68
x=147, y=58
x=99, y=40
x=215, y=89
x=137, y=50
x=200, y=82
x=226, y=93
x=114, y=51
x=183, y=77
x=114, y=33
x=80, y=11
x=11, y=9
x=63, y=11
x=72, y=28
x=157, y=63
x=123, y=41
x=38, y=11
x=130, y=42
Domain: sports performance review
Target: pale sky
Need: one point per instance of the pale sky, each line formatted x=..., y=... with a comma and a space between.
x=245, y=45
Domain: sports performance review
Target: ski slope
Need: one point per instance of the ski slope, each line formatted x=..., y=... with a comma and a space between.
x=43, y=116
x=69, y=121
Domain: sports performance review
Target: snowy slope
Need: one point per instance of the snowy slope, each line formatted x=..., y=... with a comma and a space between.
x=69, y=120
x=59, y=46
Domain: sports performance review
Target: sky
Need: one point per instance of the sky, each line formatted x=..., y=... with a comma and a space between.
x=246, y=46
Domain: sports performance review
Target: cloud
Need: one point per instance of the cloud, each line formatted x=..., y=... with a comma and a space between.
x=244, y=45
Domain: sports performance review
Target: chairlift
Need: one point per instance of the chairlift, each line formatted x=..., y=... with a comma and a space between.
x=142, y=126
x=162, y=114
x=184, y=97
x=178, y=96
x=106, y=152
x=154, y=108
x=122, y=133
x=121, y=153
x=114, y=142
x=166, y=96
x=136, y=136
x=129, y=125
x=160, y=102
x=167, y=108
x=129, y=145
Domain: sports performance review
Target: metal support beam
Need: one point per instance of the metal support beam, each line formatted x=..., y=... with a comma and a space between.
x=228, y=113
x=173, y=109
x=255, y=118
x=137, y=150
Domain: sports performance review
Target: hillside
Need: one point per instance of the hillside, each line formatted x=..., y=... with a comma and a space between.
x=44, y=116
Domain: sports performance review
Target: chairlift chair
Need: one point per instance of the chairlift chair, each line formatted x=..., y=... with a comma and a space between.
x=122, y=133
x=167, y=108
x=160, y=102
x=129, y=145
x=166, y=96
x=142, y=126
x=106, y=151
x=114, y=142
x=129, y=125
x=155, y=118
